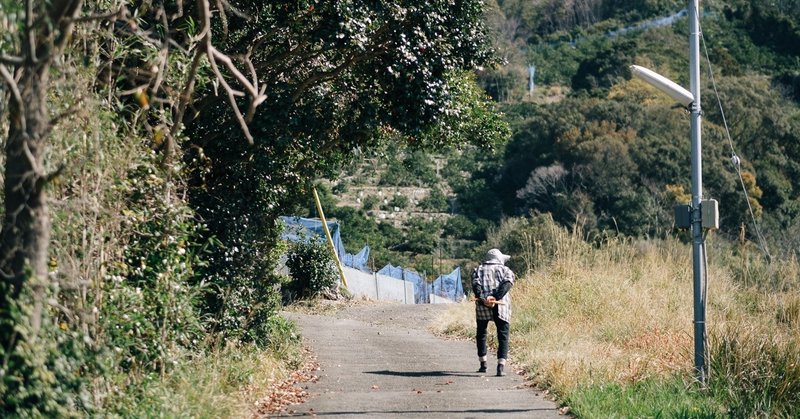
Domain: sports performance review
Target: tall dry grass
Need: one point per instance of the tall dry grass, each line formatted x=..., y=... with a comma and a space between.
x=621, y=312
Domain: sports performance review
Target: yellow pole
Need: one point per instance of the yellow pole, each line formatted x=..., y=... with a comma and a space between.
x=330, y=239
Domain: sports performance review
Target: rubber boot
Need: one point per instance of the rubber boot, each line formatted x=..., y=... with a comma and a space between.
x=483, y=367
x=500, y=371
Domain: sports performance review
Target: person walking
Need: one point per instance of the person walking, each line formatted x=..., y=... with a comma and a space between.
x=491, y=282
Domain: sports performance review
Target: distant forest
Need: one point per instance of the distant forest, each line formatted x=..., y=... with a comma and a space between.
x=594, y=147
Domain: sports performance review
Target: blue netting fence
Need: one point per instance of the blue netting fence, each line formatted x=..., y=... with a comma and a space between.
x=447, y=286
x=299, y=228
x=420, y=286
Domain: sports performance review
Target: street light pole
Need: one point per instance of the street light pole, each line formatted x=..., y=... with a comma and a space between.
x=693, y=215
x=698, y=246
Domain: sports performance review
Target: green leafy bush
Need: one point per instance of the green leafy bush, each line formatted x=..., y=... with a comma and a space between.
x=151, y=313
x=312, y=268
x=370, y=202
x=436, y=201
x=44, y=374
x=399, y=201
x=396, y=174
x=421, y=236
x=340, y=188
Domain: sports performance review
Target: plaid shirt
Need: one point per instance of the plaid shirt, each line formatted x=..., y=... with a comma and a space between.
x=485, y=279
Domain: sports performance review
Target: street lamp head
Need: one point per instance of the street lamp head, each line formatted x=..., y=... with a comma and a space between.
x=674, y=90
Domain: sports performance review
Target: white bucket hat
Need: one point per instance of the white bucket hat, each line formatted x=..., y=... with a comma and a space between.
x=495, y=255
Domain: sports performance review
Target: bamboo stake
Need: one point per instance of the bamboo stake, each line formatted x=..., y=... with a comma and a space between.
x=328, y=235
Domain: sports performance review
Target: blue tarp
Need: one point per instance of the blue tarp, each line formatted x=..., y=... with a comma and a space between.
x=299, y=228
x=420, y=286
x=358, y=261
x=449, y=286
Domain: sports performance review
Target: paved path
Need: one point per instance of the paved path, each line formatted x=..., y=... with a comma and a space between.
x=379, y=361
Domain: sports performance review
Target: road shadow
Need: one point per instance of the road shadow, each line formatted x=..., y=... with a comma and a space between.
x=425, y=373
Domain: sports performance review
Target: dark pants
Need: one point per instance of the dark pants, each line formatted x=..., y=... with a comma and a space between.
x=502, y=335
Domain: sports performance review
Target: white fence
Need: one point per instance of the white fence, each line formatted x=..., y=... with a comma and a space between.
x=378, y=287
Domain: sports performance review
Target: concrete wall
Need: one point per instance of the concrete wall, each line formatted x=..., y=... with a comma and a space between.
x=378, y=287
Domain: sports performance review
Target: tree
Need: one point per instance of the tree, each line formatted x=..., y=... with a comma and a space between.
x=340, y=77
x=149, y=59
x=598, y=73
x=436, y=201
x=24, y=238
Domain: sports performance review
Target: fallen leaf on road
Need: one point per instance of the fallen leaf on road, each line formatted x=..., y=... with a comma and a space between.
x=281, y=394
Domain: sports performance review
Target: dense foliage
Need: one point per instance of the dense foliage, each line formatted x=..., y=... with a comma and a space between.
x=611, y=154
x=185, y=129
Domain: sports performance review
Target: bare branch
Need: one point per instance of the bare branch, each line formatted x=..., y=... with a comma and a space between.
x=234, y=10
x=231, y=99
x=11, y=60
x=31, y=38
x=252, y=88
x=15, y=93
x=254, y=76
x=37, y=170
x=213, y=56
x=188, y=89
x=12, y=84
x=133, y=91
x=64, y=310
x=163, y=54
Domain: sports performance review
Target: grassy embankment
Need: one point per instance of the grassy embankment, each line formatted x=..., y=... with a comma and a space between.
x=609, y=328
x=230, y=382
x=116, y=210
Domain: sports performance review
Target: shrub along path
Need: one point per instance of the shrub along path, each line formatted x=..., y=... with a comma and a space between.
x=379, y=360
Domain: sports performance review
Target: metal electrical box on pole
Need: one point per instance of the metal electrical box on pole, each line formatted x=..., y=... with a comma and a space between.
x=683, y=217
x=709, y=210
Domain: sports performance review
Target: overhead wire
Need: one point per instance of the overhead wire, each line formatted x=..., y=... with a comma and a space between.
x=735, y=160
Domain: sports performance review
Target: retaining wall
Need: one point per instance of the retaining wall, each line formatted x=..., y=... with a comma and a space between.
x=378, y=287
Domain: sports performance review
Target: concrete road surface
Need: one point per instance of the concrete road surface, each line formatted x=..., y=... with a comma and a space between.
x=378, y=360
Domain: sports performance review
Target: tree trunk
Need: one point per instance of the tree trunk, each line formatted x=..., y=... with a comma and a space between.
x=25, y=234
x=26, y=222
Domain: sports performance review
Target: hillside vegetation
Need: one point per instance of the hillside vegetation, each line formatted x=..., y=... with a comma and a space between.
x=592, y=146
x=613, y=154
